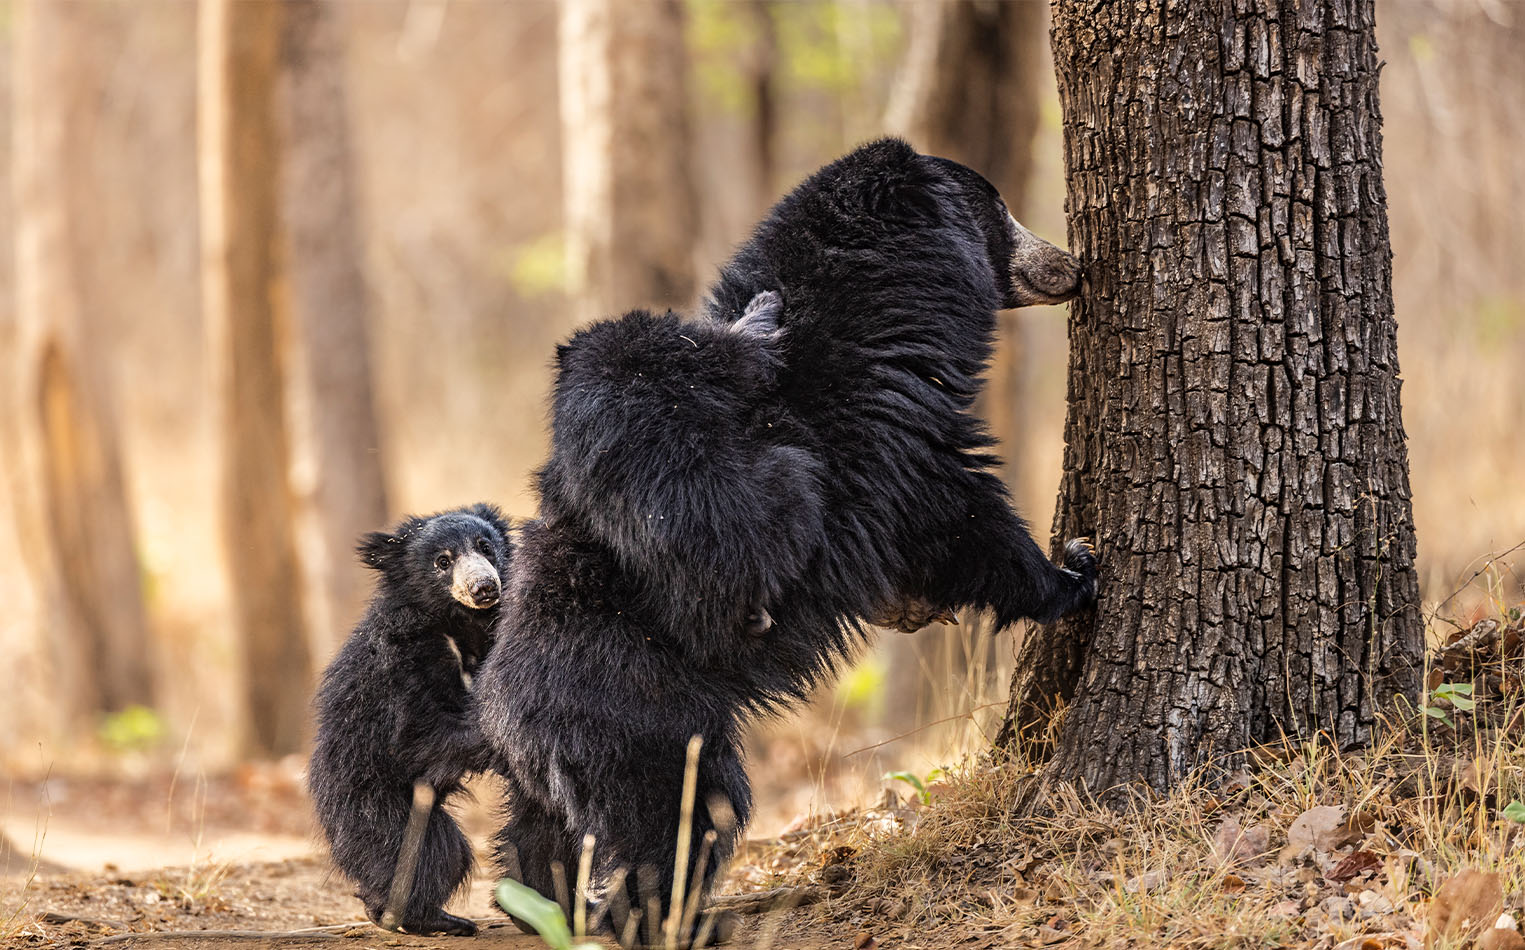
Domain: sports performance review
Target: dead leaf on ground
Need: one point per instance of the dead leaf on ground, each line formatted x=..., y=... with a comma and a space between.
x=1353, y=865
x=865, y=941
x=1468, y=902
x=1235, y=844
x=1147, y=881
x=1373, y=942
x=1323, y=828
x=1500, y=938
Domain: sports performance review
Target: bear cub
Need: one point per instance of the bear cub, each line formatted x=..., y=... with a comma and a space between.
x=395, y=708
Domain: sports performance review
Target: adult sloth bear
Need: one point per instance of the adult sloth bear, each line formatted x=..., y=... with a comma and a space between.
x=813, y=457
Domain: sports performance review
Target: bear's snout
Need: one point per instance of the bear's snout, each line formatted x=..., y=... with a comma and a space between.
x=475, y=582
x=1040, y=272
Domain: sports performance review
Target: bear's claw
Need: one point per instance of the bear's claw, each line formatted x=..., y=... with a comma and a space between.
x=1080, y=558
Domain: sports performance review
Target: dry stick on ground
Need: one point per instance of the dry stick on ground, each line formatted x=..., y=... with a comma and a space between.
x=584, y=873
x=763, y=902
x=269, y=938
x=685, y=841
x=691, y=906
x=51, y=918
x=293, y=938
x=407, y=856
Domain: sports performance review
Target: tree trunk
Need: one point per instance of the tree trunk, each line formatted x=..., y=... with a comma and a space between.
x=1234, y=441
x=630, y=208
x=760, y=67
x=969, y=91
x=246, y=311
x=336, y=448
x=77, y=531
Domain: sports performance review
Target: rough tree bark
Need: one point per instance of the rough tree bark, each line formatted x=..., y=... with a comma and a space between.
x=1234, y=441
x=336, y=438
x=630, y=206
x=246, y=311
x=76, y=527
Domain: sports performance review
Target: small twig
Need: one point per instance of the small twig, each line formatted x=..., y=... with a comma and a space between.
x=685, y=842
x=969, y=714
x=270, y=937
x=51, y=918
x=1475, y=575
x=762, y=902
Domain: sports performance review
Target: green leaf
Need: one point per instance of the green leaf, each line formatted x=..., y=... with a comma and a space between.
x=1436, y=713
x=136, y=728
x=542, y=914
x=1452, y=692
x=1515, y=811
x=909, y=778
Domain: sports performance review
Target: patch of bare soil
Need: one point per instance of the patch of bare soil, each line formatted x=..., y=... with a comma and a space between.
x=285, y=904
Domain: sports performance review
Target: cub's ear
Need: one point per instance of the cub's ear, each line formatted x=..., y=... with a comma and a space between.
x=378, y=549
x=493, y=515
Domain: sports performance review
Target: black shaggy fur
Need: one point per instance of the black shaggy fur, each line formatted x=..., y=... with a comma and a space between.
x=394, y=708
x=814, y=457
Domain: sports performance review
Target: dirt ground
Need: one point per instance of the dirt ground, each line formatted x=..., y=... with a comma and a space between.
x=292, y=903
x=224, y=862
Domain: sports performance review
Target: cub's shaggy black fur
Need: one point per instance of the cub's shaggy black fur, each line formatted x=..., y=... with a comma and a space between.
x=394, y=708
x=813, y=457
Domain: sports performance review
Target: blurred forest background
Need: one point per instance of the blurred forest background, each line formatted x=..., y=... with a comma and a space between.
x=444, y=216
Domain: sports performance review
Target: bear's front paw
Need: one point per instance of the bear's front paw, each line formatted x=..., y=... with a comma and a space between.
x=1080, y=559
x=911, y=614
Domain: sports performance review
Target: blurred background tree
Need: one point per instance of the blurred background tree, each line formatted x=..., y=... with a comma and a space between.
x=75, y=524
x=437, y=268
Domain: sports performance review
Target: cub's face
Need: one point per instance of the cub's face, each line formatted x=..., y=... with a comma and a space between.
x=1029, y=270
x=452, y=560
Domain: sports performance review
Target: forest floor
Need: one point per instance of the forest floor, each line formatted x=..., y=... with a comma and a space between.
x=1417, y=843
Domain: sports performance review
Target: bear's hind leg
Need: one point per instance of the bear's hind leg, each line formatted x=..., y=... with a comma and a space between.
x=534, y=846
x=643, y=840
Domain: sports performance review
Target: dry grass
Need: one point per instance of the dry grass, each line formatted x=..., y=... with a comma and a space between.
x=14, y=914
x=1425, y=802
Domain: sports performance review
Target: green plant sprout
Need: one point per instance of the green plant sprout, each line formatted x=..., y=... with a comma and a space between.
x=542, y=914
x=923, y=793
x=134, y=729
x=1457, y=694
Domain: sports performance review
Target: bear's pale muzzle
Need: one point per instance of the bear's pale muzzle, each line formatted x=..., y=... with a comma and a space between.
x=475, y=582
x=1040, y=272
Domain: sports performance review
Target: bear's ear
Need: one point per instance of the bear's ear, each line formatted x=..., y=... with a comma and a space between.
x=493, y=516
x=379, y=549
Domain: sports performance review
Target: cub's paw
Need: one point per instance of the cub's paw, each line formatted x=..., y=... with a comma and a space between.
x=439, y=923
x=1080, y=560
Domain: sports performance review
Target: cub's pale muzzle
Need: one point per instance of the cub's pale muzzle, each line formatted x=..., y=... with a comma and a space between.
x=475, y=582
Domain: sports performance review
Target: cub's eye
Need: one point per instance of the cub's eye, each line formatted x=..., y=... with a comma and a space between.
x=443, y=561
x=485, y=546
